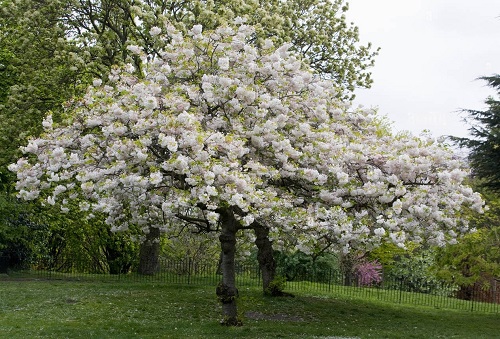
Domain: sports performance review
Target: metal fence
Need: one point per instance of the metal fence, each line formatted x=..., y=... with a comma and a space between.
x=331, y=283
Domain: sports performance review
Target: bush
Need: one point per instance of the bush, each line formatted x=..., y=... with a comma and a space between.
x=300, y=266
x=413, y=272
x=276, y=287
x=16, y=237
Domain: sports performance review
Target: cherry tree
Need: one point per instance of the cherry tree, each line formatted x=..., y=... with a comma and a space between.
x=227, y=136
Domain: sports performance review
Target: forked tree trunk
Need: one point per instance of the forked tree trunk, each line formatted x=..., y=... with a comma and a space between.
x=227, y=293
x=149, y=254
x=265, y=256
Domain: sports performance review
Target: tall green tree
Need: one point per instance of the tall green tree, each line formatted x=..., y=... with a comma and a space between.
x=484, y=143
x=42, y=60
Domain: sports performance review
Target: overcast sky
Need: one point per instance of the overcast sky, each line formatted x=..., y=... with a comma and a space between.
x=431, y=53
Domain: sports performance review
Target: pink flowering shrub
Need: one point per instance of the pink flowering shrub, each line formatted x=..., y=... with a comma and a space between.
x=369, y=273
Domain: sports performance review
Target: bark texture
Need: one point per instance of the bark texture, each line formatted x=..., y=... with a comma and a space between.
x=265, y=256
x=227, y=293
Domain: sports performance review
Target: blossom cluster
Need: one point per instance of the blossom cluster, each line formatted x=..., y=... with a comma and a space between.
x=215, y=122
x=369, y=273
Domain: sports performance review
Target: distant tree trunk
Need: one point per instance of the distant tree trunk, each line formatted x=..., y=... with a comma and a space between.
x=347, y=265
x=465, y=292
x=227, y=293
x=265, y=256
x=149, y=254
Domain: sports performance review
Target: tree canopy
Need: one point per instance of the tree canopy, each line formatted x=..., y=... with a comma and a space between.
x=55, y=48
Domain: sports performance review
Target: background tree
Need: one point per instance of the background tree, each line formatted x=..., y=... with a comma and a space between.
x=476, y=258
x=65, y=242
x=484, y=143
x=227, y=136
x=16, y=242
x=44, y=64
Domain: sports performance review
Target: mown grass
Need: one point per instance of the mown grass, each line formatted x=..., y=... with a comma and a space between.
x=444, y=301
x=71, y=309
x=441, y=298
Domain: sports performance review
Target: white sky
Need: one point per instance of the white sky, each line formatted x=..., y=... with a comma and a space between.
x=431, y=53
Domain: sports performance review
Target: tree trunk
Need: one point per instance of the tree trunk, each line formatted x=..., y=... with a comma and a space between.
x=149, y=256
x=265, y=256
x=227, y=293
x=347, y=265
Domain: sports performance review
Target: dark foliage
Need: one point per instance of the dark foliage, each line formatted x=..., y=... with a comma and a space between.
x=484, y=144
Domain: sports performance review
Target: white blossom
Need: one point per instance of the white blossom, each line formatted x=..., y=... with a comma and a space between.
x=154, y=31
x=134, y=49
x=258, y=135
x=155, y=178
x=248, y=220
x=223, y=64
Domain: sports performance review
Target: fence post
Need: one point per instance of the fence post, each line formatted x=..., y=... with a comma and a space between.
x=329, y=279
x=51, y=267
x=189, y=271
x=472, y=298
x=401, y=289
x=494, y=291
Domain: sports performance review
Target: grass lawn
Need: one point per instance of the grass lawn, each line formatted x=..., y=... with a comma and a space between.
x=71, y=309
